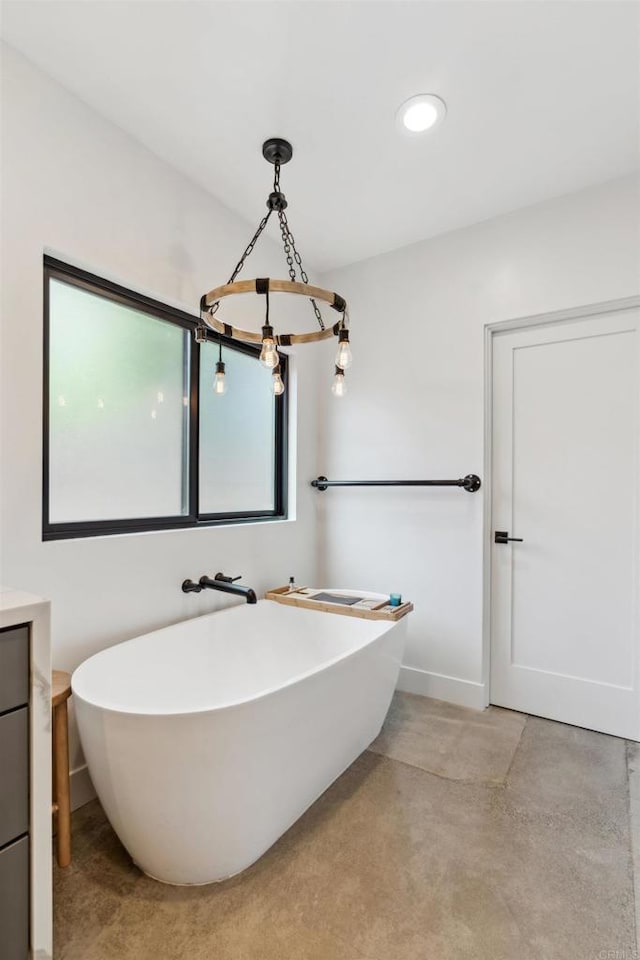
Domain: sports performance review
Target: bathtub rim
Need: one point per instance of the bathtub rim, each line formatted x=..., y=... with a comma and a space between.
x=385, y=627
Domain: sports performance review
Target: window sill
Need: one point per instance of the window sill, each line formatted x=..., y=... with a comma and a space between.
x=52, y=537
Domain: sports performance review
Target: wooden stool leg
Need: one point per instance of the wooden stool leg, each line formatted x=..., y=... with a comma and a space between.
x=63, y=798
x=54, y=778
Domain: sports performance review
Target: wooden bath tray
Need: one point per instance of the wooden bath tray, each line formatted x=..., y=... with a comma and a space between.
x=303, y=597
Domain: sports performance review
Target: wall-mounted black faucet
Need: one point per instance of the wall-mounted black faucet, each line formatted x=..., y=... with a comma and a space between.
x=223, y=583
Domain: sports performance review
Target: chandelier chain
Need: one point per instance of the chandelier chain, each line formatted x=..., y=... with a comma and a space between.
x=289, y=248
x=241, y=262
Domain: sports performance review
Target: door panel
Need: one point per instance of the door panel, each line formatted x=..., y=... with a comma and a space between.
x=565, y=467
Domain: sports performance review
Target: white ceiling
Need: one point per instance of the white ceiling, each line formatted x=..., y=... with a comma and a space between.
x=543, y=99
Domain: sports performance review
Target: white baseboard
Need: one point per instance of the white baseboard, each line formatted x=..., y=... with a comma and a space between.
x=82, y=789
x=465, y=693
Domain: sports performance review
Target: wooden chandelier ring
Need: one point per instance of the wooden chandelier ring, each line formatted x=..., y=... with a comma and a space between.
x=274, y=286
x=281, y=340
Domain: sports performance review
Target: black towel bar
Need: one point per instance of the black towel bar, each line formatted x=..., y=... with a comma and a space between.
x=470, y=483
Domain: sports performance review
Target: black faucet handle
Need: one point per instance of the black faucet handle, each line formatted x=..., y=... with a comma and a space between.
x=225, y=579
x=188, y=586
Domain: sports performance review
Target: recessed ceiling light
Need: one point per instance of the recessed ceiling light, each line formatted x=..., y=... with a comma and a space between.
x=421, y=113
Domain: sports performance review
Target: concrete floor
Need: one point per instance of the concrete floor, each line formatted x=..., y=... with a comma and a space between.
x=458, y=835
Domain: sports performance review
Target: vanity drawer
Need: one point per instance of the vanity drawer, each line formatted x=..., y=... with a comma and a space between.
x=14, y=781
x=14, y=667
x=14, y=900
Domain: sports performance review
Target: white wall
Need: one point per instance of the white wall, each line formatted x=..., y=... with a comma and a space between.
x=415, y=405
x=76, y=186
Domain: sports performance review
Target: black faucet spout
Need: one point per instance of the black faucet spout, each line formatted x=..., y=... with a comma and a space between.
x=227, y=585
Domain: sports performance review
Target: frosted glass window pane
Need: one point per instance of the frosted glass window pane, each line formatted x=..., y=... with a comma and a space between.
x=118, y=420
x=237, y=435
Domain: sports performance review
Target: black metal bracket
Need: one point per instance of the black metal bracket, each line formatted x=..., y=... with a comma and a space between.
x=471, y=483
x=339, y=303
x=277, y=201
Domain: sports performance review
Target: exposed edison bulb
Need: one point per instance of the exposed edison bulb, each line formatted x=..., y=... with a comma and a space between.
x=343, y=357
x=277, y=382
x=338, y=387
x=268, y=354
x=220, y=380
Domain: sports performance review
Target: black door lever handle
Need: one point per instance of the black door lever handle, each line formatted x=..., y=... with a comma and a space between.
x=502, y=536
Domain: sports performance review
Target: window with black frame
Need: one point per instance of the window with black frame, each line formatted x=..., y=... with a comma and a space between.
x=135, y=437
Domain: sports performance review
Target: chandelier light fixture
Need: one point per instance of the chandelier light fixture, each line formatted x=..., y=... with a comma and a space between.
x=277, y=152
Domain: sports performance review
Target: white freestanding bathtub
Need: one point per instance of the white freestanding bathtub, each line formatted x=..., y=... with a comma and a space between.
x=208, y=739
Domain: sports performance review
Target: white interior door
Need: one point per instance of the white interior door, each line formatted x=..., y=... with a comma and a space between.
x=564, y=601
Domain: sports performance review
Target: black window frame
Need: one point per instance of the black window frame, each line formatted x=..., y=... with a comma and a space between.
x=66, y=273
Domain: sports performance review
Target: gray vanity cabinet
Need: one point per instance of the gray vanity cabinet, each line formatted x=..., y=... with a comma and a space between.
x=14, y=793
